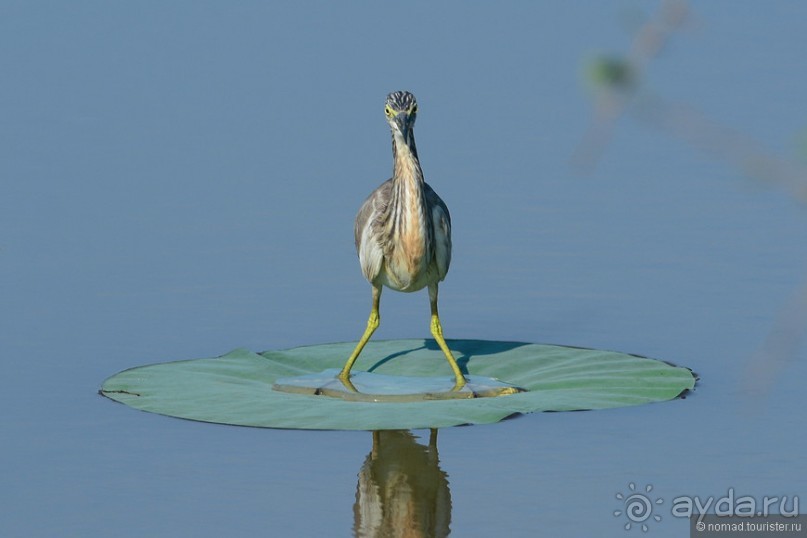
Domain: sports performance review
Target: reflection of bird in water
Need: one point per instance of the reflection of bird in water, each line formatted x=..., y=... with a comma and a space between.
x=403, y=231
x=402, y=491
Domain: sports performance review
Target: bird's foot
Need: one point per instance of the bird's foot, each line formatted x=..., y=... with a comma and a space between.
x=345, y=379
x=458, y=386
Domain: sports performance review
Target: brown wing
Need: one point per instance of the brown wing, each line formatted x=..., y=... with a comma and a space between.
x=366, y=233
x=441, y=224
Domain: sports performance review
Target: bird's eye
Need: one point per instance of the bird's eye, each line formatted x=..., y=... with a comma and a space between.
x=415, y=109
x=388, y=110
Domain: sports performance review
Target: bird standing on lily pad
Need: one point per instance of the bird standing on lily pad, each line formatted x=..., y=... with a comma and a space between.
x=403, y=231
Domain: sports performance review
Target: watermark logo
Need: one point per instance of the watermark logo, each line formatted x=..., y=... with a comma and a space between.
x=638, y=507
x=735, y=505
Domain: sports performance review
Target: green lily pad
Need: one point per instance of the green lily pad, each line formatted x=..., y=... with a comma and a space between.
x=236, y=388
x=369, y=387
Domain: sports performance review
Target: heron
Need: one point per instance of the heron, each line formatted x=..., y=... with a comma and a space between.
x=403, y=232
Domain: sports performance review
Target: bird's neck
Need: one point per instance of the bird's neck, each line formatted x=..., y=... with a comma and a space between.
x=408, y=206
x=406, y=165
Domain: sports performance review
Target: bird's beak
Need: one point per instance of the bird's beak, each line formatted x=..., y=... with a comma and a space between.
x=404, y=123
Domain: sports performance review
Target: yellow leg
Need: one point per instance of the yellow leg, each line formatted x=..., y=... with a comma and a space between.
x=372, y=325
x=437, y=333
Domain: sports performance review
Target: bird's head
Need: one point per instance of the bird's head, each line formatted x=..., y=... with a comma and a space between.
x=401, y=109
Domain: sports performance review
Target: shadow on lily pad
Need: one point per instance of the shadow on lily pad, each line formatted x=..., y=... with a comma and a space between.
x=462, y=349
x=236, y=388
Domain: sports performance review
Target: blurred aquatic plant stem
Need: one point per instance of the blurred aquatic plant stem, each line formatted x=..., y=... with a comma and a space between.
x=616, y=85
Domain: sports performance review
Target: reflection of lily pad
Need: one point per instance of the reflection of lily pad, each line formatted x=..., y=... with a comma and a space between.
x=237, y=388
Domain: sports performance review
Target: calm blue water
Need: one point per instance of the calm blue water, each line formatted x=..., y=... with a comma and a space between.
x=180, y=179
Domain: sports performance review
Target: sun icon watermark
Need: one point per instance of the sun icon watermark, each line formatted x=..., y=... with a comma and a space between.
x=638, y=507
